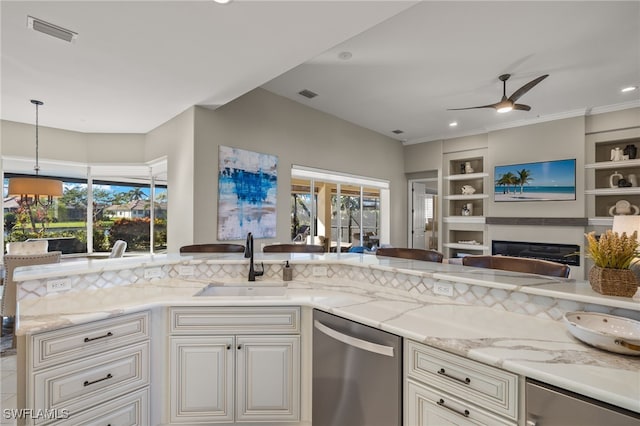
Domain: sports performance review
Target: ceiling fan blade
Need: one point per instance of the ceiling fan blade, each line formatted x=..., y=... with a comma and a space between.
x=524, y=89
x=521, y=107
x=475, y=107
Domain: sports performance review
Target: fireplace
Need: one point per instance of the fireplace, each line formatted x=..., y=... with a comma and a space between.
x=568, y=254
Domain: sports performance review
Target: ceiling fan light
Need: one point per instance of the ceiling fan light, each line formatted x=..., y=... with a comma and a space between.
x=504, y=106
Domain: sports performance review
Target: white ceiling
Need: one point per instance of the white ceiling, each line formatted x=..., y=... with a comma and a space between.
x=138, y=64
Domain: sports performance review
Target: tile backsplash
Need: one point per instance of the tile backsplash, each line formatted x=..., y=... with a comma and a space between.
x=418, y=286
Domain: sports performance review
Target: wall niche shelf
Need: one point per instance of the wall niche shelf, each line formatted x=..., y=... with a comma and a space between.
x=466, y=197
x=466, y=176
x=608, y=165
x=464, y=219
x=613, y=191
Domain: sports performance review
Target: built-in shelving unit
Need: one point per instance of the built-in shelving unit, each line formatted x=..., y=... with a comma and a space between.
x=464, y=209
x=602, y=176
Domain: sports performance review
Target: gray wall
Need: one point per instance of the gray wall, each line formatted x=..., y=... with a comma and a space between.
x=552, y=140
x=174, y=139
x=263, y=122
x=18, y=140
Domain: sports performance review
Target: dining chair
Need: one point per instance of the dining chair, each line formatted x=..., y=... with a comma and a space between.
x=410, y=253
x=519, y=264
x=213, y=248
x=28, y=247
x=293, y=248
x=118, y=249
x=9, y=289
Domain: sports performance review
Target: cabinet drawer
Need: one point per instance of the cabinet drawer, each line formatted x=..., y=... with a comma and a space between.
x=71, y=343
x=235, y=320
x=129, y=410
x=485, y=386
x=429, y=406
x=83, y=384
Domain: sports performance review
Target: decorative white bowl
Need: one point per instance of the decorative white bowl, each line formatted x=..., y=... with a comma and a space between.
x=608, y=332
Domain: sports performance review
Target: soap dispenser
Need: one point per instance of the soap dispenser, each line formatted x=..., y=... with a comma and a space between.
x=287, y=272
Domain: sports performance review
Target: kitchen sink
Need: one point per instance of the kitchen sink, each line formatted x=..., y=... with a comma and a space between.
x=244, y=290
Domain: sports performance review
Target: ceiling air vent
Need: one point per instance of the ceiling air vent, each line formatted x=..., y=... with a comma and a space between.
x=51, y=29
x=397, y=131
x=307, y=94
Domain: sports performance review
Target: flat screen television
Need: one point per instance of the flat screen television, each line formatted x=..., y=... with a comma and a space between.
x=541, y=181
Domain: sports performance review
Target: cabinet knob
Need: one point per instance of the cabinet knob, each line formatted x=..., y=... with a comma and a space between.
x=239, y=347
x=228, y=347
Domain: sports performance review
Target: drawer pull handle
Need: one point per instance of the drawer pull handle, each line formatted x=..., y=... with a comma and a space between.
x=89, y=339
x=88, y=383
x=442, y=404
x=466, y=380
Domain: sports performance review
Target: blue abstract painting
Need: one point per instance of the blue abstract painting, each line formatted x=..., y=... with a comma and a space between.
x=247, y=187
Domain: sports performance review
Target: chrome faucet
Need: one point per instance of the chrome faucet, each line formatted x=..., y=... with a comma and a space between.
x=248, y=253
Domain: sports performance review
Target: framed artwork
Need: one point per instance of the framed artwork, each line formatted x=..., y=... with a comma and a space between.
x=540, y=181
x=247, y=188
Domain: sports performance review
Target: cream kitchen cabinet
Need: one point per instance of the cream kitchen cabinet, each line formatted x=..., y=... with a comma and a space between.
x=126, y=410
x=442, y=388
x=83, y=371
x=252, y=375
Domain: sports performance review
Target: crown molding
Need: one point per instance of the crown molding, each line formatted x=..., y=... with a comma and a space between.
x=615, y=107
x=582, y=112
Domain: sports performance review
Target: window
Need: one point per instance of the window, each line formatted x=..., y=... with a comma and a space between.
x=95, y=210
x=64, y=224
x=124, y=212
x=338, y=210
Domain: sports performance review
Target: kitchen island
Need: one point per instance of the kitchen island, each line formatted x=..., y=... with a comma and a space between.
x=502, y=319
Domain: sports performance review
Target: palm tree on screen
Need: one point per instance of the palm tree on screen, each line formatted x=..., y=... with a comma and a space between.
x=524, y=177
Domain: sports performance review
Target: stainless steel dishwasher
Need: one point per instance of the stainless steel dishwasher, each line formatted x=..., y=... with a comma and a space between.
x=551, y=406
x=357, y=374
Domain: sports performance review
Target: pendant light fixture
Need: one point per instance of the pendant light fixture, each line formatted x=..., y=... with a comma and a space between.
x=35, y=191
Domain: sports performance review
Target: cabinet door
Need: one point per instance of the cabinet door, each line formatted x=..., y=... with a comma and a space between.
x=268, y=378
x=201, y=379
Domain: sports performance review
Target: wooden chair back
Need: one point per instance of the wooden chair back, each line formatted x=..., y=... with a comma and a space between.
x=293, y=248
x=411, y=253
x=518, y=264
x=213, y=248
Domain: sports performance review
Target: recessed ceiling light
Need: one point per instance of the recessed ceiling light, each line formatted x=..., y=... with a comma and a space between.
x=453, y=124
x=223, y=1
x=629, y=89
x=397, y=131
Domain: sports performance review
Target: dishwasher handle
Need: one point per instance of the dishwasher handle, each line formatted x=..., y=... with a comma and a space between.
x=354, y=341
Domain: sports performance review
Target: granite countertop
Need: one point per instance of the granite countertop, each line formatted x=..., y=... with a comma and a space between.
x=530, y=346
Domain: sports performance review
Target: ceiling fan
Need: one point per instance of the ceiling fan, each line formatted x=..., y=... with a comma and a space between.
x=508, y=104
